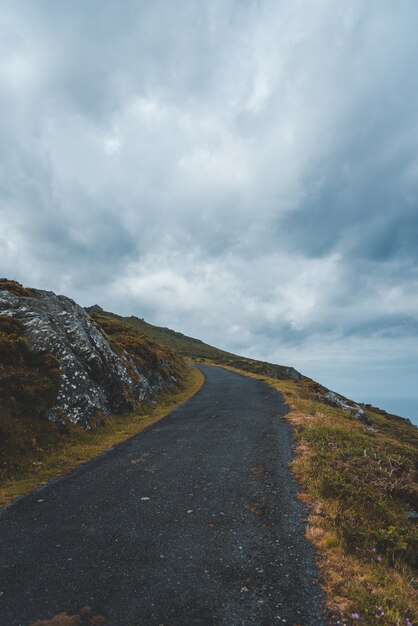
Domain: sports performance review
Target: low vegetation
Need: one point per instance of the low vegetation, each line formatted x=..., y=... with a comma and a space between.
x=28, y=386
x=360, y=486
x=16, y=288
x=151, y=356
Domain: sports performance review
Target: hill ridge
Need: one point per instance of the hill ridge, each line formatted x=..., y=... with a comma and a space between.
x=198, y=349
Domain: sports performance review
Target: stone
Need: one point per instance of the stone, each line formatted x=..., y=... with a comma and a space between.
x=352, y=409
x=95, y=381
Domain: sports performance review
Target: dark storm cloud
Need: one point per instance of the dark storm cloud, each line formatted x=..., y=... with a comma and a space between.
x=243, y=171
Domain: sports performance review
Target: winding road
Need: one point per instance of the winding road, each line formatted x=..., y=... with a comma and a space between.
x=194, y=520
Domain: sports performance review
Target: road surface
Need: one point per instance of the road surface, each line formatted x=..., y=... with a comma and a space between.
x=192, y=521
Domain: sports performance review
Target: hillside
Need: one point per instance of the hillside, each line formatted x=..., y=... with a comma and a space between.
x=194, y=348
x=59, y=373
x=201, y=352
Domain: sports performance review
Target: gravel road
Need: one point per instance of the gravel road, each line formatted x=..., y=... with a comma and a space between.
x=192, y=521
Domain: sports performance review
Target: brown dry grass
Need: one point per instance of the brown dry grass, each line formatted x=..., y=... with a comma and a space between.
x=61, y=619
x=83, y=618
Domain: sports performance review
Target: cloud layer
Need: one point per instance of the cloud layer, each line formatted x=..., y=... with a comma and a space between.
x=246, y=172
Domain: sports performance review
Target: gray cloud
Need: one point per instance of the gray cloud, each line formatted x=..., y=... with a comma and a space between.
x=243, y=172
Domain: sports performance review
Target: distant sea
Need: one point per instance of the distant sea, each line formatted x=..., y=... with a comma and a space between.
x=405, y=406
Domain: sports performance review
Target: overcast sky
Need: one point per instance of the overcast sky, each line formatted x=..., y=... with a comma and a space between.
x=243, y=171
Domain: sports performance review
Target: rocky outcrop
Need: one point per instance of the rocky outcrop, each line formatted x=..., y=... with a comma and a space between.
x=290, y=373
x=94, y=309
x=95, y=380
x=352, y=409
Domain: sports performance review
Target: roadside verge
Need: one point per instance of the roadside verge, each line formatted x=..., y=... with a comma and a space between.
x=79, y=446
x=358, y=484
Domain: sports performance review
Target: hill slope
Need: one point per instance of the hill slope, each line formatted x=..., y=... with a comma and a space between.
x=59, y=371
x=201, y=352
x=194, y=348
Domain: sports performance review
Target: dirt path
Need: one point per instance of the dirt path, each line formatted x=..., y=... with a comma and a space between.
x=192, y=521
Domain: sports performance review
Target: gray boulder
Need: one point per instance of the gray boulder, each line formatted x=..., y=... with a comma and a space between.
x=95, y=381
x=352, y=409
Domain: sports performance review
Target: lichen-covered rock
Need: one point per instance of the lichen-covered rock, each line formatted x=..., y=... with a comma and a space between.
x=95, y=381
x=352, y=409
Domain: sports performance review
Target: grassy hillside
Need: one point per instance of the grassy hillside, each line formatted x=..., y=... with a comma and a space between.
x=194, y=348
x=151, y=355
